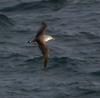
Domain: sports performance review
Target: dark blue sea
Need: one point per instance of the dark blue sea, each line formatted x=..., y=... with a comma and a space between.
x=73, y=70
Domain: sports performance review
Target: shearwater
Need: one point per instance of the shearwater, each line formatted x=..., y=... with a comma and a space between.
x=41, y=38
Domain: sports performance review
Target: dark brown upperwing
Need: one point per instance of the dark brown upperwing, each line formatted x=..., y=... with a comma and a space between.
x=42, y=30
x=44, y=51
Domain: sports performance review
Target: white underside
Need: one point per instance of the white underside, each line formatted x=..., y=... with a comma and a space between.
x=47, y=38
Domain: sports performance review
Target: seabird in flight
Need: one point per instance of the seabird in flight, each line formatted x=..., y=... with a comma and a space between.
x=42, y=39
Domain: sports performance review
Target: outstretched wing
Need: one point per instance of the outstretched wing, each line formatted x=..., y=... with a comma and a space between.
x=42, y=30
x=44, y=51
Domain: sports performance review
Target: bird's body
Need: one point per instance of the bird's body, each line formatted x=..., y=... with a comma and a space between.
x=42, y=39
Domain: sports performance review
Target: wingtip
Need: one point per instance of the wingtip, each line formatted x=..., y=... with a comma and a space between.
x=44, y=24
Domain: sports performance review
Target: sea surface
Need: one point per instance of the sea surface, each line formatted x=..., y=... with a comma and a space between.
x=73, y=70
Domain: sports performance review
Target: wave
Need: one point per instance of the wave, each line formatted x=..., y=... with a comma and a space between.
x=60, y=63
x=50, y=4
x=65, y=62
x=57, y=59
x=12, y=55
x=89, y=35
x=20, y=7
x=96, y=73
x=82, y=1
x=5, y=20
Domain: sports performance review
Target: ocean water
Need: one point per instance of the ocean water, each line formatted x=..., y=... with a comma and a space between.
x=73, y=70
